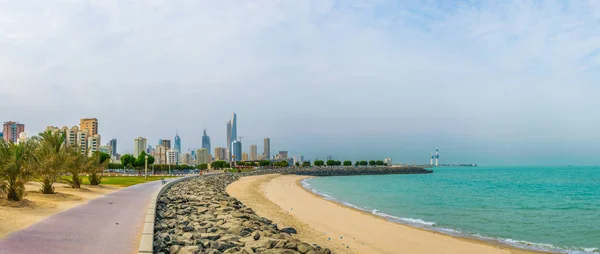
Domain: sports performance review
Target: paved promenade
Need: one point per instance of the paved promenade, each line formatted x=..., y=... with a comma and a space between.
x=110, y=224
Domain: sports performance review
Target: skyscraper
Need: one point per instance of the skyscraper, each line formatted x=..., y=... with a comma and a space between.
x=203, y=156
x=231, y=134
x=234, y=128
x=220, y=153
x=206, y=141
x=166, y=143
x=283, y=155
x=11, y=131
x=236, y=153
x=139, y=146
x=267, y=149
x=89, y=124
x=113, y=147
x=177, y=146
x=229, y=140
x=244, y=156
x=253, y=153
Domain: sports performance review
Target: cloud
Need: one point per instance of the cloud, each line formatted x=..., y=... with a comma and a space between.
x=334, y=70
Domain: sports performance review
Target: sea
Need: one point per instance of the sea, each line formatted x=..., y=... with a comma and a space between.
x=549, y=208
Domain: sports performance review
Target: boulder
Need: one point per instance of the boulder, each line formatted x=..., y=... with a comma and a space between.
x=189, y=250
x=304, y=248
x=256, y=235
x=210, y=236
x=289, y=230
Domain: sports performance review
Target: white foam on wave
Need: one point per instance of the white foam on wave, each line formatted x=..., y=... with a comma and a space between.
x=432, y=226
x=409, y=220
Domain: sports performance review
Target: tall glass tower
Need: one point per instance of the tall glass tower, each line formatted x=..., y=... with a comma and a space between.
x=234, y=128
x=206, y=141
x=177, y=143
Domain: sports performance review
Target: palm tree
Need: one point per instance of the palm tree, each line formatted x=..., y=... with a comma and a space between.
x=14, y=168
x=77, y=165
x=96, y=165
x=49, y=159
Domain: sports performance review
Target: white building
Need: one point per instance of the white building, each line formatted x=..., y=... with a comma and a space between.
x=388, y=161
x=93, y=144
x=139, y=146
x=172, y=156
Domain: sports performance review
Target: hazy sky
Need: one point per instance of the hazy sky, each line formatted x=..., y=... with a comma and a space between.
x=489, y=82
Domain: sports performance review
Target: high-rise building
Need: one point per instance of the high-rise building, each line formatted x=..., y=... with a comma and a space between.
x=283, y=155
x=186, y=159
x=329, y=157
x=220, y=154
x=203, y=156
x=139, y=146
x=89, y=124
x=105, y=149
x=93, y=144
x=113, y=147
x=71, y=136
x=172, y=157
x=11, y=131
x=301, y=158
x=229, y=139
x=160, y=155
x=166, y=143
x=206, y=141
x=234, y=128
x=253, y=153
x=231, y=134
x=244, y=156
x=82, y=138
x=236, y=153
x=177, y=146
x=267, y=149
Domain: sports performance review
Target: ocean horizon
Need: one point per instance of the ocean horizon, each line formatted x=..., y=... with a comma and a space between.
x=546, y=208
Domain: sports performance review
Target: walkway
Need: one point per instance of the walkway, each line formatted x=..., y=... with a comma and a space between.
x=110, y=224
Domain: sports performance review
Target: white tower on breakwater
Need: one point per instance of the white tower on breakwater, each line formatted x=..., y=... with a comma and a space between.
x=431, y=160
x=437, y=156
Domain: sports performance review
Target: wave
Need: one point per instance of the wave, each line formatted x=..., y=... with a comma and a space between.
x=449, y=231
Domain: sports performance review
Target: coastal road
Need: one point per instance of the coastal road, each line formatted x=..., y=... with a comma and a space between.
x=109, y=224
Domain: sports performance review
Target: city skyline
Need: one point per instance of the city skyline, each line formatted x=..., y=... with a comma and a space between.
x=492, y=83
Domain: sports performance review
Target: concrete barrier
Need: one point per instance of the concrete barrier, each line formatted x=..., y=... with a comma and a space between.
x=147, y=240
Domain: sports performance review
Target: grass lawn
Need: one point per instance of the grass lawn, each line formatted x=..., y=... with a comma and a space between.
x=126, y=180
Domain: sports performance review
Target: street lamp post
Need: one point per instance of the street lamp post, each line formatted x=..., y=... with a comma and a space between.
x=146, y=168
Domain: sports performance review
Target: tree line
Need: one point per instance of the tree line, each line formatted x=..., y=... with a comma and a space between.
x=46, y=159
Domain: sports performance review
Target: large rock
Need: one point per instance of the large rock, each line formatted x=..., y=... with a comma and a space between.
x=189, y=250
x=289, y=230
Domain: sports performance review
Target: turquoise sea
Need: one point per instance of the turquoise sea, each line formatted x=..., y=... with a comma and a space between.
x=554, y=209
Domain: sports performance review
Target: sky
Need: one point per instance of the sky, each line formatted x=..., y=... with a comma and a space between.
x=489, y=82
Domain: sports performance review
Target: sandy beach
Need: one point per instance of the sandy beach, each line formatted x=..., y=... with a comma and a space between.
x=340, y=228
x=37, y=206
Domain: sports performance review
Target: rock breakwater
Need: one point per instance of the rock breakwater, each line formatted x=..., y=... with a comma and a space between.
x=196, y=215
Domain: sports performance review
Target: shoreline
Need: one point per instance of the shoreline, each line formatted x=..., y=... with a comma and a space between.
x=493, y=243
x=374, y=233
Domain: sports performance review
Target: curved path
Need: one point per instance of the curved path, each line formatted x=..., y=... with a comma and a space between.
x=109, y=224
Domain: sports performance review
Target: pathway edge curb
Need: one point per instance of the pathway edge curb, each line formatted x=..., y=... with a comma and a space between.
x=147, y=239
